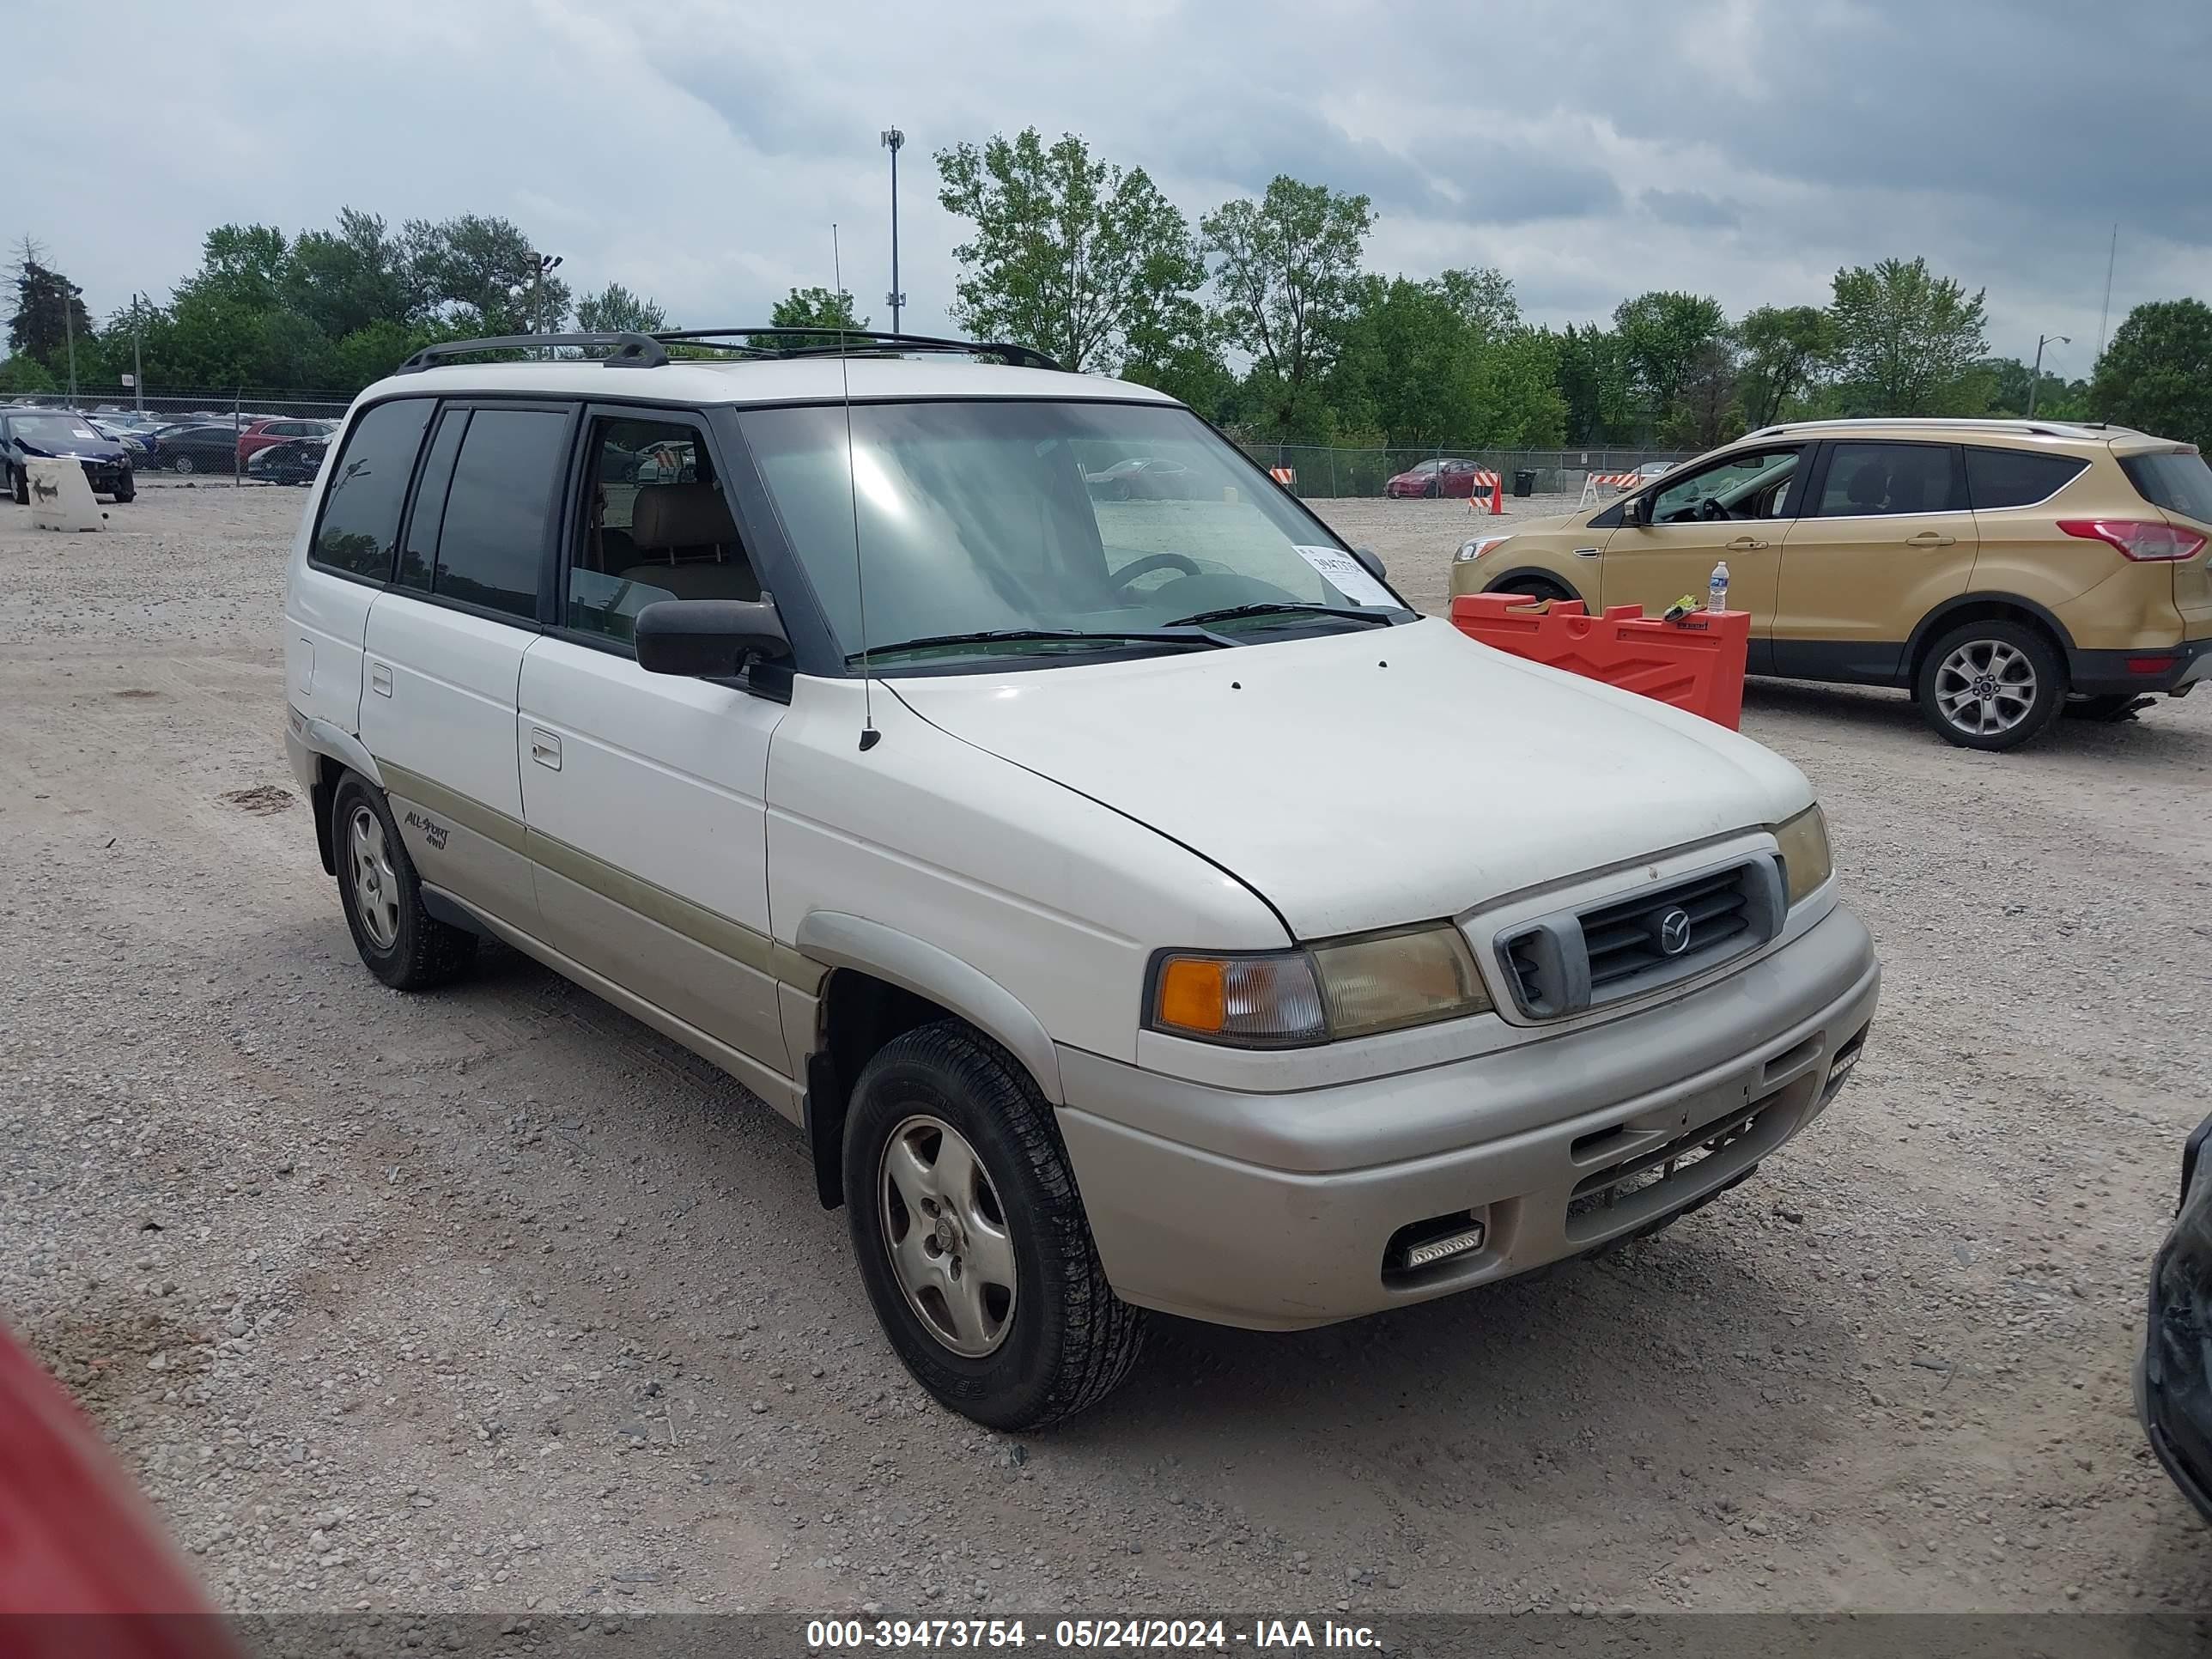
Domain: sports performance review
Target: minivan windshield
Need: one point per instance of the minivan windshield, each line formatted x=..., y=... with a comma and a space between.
x=1000, y=528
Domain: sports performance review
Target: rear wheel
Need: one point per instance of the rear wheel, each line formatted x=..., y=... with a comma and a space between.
x=185, y=462
x=401, y=942
x=971, y=1237
x=1431, y=489
x=1991, y=686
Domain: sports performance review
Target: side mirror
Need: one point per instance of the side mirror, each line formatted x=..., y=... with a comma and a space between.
x=1370, y=561
x=1639, y=510
x=707, y=639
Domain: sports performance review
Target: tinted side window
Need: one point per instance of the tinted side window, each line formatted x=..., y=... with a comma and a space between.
x=2014, y=478
x=367, y=488
x=506, y=480
x=1867, y=480
x=418, y=553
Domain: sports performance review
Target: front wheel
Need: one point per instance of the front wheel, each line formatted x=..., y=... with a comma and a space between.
x=1991, y=686
x=19, y=486
x=127, y=492
x=970, y=1237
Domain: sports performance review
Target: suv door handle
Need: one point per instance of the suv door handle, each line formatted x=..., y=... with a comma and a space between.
x=379, y=678
x=1929, y=538
x=546, y=748
x=1745, y=543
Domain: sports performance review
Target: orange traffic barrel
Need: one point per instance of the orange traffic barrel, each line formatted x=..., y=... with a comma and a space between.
x=1696, y=663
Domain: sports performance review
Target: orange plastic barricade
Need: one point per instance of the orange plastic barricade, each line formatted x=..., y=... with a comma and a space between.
x=1695, y=664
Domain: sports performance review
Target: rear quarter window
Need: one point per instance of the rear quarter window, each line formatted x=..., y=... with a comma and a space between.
x=2017, y=477
x=2175, y=479
x=360, y=524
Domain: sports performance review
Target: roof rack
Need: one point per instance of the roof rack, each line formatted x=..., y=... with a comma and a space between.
x=1972, y=423
x=627, y=350
x=863, y=339
x=631, y=350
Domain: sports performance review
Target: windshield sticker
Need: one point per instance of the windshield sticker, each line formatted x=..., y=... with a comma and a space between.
x=82, y=432
x=1347, y=575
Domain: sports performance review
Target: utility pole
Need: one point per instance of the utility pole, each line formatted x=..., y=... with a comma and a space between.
x=68, y=326
x=2111, y=257
x=2035, y=374
x=894, y=141
x=547, y=263
x=137, y=357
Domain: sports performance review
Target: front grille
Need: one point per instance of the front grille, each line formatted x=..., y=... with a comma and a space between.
x=1577, y=959
x=1623, y=940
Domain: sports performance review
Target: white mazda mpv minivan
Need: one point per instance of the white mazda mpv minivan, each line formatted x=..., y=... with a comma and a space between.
x=1132, y=901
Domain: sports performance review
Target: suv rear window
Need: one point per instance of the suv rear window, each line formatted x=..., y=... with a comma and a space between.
x=2175, y=479
x=2015, y=477
x=368, y=486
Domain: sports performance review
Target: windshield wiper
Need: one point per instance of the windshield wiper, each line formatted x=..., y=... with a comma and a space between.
x=1108, y=636
x=1279, y=607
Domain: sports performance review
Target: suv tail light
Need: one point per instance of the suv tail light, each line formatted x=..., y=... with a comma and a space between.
x=2138, y=539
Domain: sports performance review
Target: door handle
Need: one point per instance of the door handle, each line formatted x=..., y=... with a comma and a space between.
x=1929, y=538
x=379, y=678
x=1745, y=543
x=546, y=748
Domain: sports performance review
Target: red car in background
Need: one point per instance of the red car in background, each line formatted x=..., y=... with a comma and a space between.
x=78, y=1539
x=1436, y=477
x=260, y=434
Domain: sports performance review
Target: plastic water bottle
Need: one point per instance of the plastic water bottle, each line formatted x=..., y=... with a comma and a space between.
x=1716, y=589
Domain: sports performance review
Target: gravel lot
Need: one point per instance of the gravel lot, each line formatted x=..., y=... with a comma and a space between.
x=493, y=1299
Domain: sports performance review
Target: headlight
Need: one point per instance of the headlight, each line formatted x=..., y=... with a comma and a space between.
x=1805, y=861
x=1480, y=545
x=1343, y=988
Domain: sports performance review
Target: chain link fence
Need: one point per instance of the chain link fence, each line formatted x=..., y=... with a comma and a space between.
x=242, y=434
x=1321, y=472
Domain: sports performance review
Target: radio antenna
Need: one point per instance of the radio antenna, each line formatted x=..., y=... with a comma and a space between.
x=869, y=736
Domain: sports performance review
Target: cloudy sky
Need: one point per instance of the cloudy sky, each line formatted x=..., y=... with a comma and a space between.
x=698, y=150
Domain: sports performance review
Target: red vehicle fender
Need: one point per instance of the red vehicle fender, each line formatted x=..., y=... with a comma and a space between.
x=76, y=1539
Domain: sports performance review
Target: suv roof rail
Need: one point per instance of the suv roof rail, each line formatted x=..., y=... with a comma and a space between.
x=862, y=339
x=1972, y=423
x=631, y=350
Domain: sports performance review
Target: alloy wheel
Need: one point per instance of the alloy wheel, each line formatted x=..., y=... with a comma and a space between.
x=946, y=1233
x=1986, y=687
x=375, y=883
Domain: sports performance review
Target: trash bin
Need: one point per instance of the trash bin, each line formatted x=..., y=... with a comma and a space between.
x=1524, y=480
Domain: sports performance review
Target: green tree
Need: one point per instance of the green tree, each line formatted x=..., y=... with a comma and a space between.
x=1707, y=410
x=1287, y=272
x=350, y=278
x=1907, y=342
x=1483, y=297
x=1068, y=253
x=47, y=306
x=482, y=275
x=2156, y=375
x=1664, y=336
x=614, y=309
x=22, y=373
x=1786, y=349
x=1514, y=392
x=1405, y=365
x=812, y=308
x=242, y=264
x=1593, y=382
x=2055, y=397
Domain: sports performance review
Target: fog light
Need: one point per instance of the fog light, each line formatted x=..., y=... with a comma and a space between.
x=1440, y=1238
x=1436, y=1249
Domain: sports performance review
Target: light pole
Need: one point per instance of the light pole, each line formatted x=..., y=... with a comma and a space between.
x=2035, y=375
x=137, y=353
x=547, y=263
x=894, y=141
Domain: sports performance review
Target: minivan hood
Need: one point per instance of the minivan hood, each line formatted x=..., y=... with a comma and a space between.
x=1370, y=779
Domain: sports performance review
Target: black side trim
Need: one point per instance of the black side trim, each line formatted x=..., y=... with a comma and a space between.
x=1945, y=616
x=821, y=1111
x=1845, y=662
x=1521, y=573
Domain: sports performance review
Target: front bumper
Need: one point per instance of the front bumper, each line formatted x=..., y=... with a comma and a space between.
x=2101, y=673
x=1215, y=1237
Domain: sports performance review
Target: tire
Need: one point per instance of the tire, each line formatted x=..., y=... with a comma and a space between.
x=1058, y=1340
x=1536, y=587
x=185, y=462
x=1431, y=489
x=400, y=942
x=128, y=492
x=2018, y=662
x=19, y=486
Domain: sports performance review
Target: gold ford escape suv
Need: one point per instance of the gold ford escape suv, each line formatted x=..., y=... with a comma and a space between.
x=2003, y=571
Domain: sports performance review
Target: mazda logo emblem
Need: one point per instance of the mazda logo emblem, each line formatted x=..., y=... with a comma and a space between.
x=1675, y=932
